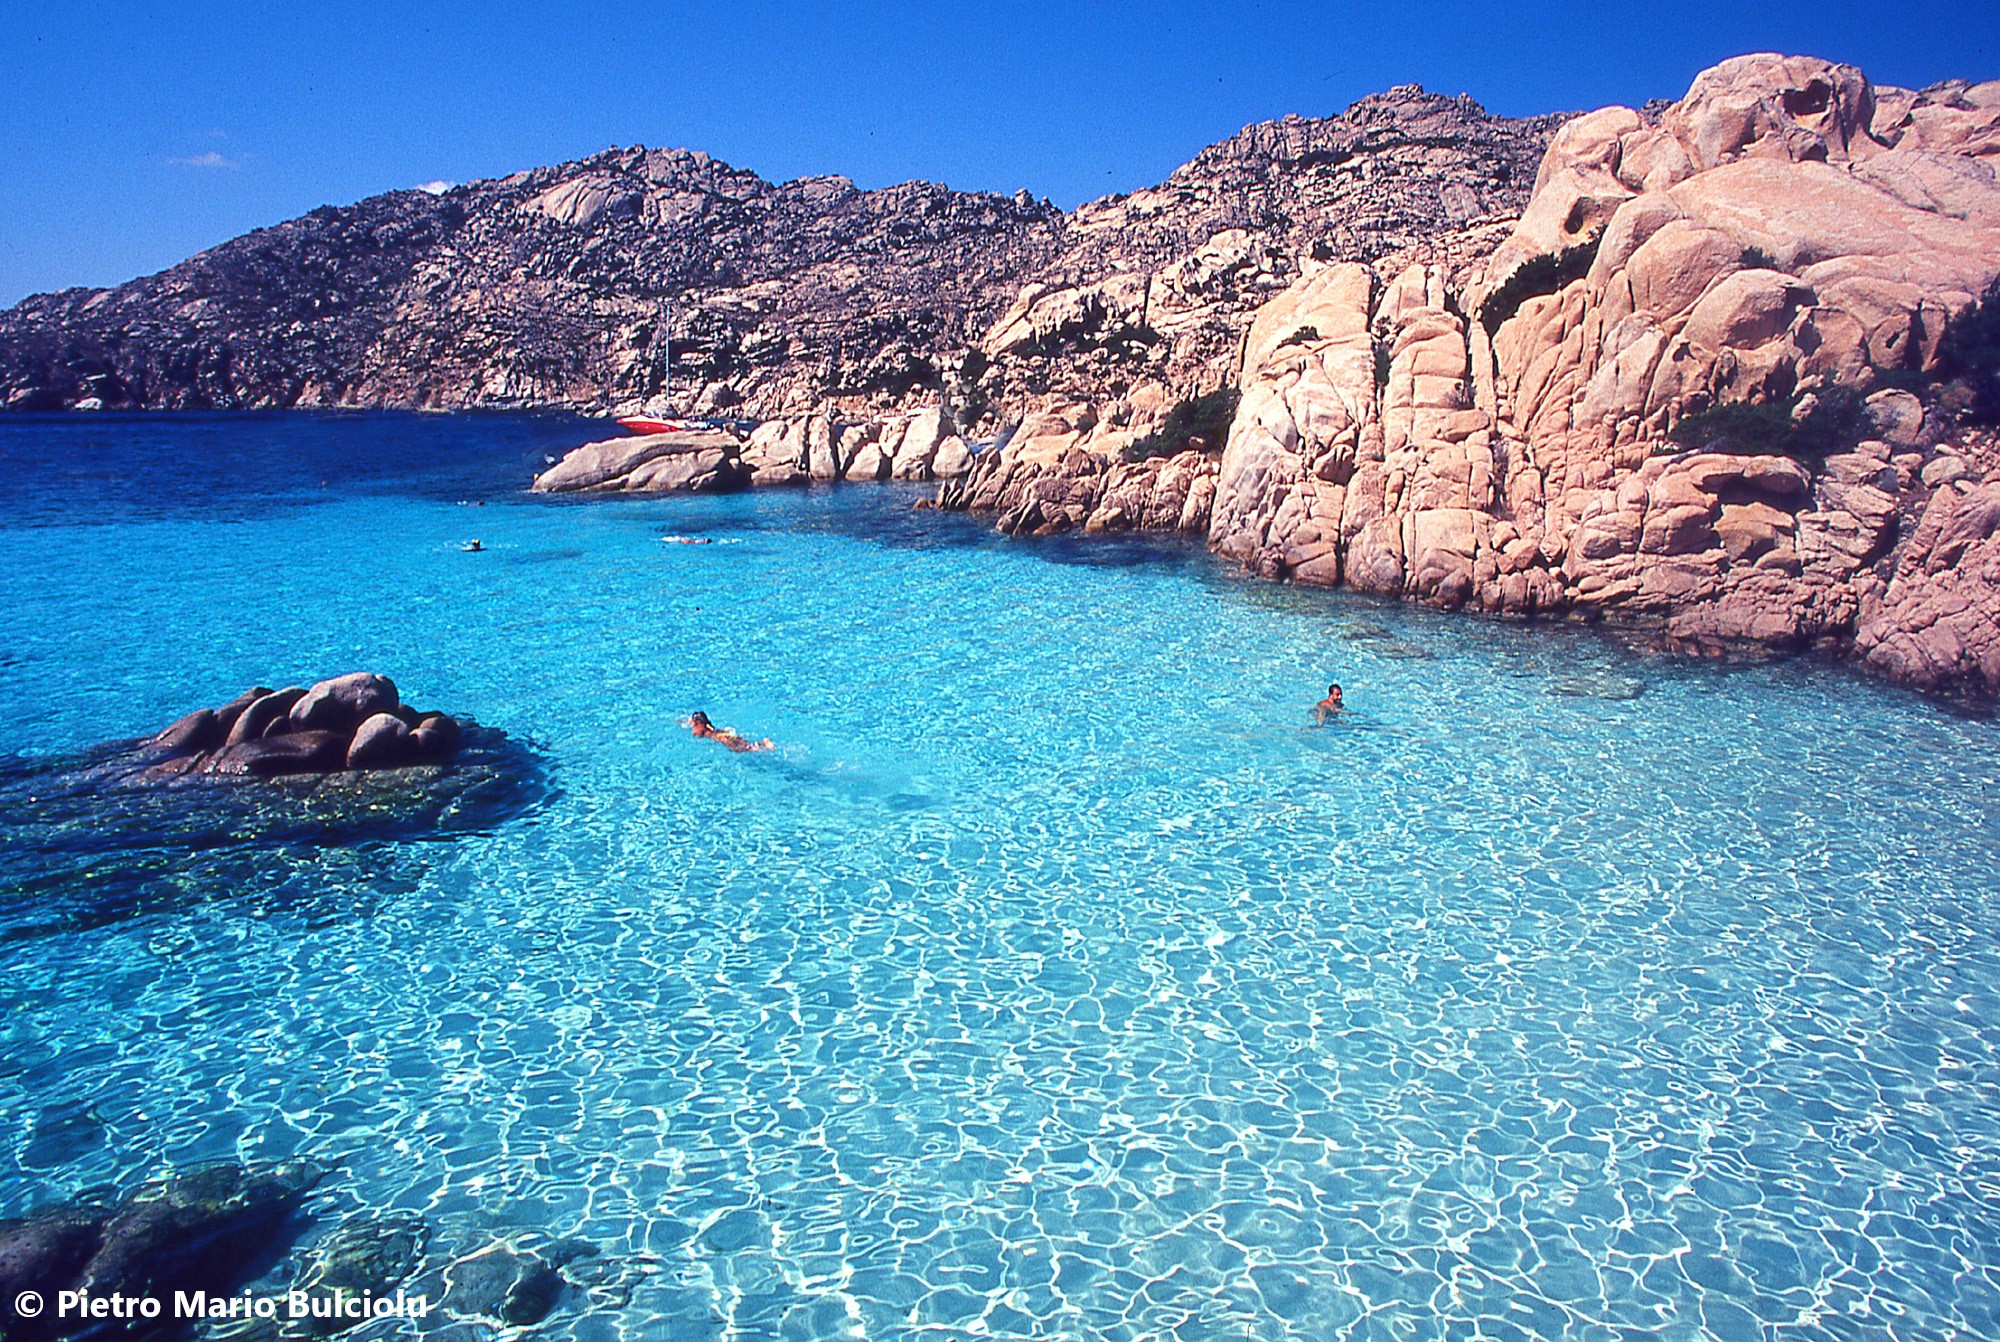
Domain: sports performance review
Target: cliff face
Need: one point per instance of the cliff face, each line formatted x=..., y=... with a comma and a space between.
x=1723, y=378
x=1148, y=301
x=561, y=286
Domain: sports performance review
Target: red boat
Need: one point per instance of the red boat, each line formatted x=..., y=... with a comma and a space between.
x=649, y=424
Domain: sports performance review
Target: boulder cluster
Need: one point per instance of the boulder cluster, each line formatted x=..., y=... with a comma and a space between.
x=798, y=450
x=351, y=722
x=1040, y=494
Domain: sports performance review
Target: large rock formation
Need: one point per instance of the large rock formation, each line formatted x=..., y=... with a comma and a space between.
x=555, y=287
x=1715, y=380
x=1148, y=303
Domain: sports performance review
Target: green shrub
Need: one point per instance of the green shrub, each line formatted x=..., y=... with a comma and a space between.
x=1545, y=274
x=1765, y=429
x=1970, y=354
x=1206, y=417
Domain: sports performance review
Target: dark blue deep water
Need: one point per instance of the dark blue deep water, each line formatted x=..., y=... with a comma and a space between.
x=1055, y=977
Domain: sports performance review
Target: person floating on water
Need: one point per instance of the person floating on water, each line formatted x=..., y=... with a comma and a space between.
x=472, y=547
x=688, y=540
x=699, y=724
x=1327, y=707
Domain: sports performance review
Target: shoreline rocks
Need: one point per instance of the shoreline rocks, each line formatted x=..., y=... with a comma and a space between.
x=1080, y=491
x=799, y=450
x=1708, y=387
x=1725, y=368
x=1722, y=380
x=690, y=461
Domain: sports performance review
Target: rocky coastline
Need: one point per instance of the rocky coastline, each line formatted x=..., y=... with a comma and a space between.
x=1727, y=369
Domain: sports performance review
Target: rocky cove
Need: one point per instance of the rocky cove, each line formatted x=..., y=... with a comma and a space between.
x=1723, y=368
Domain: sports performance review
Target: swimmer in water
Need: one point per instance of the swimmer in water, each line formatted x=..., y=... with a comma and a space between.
x=699, y=724
x=472, y=547
x=1327, y=707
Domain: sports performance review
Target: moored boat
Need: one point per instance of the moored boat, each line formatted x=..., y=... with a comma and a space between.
x=649, y=424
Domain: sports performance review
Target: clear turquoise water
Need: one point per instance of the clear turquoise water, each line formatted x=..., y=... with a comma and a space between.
x=1055, y=977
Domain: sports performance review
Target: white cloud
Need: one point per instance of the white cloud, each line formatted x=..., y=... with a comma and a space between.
x=210, y=159
x=437, y=188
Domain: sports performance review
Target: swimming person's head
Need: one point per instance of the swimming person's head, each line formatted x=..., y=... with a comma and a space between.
x=699, y=719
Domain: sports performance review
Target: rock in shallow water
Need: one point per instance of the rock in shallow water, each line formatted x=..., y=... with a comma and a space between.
x=284, y=753
x=263, y=733
x=381, y=742
x=365, y=1256
x=209, y=1229
x=693, y=461
x=198, y=731
x=260, y=713
x=93, y=839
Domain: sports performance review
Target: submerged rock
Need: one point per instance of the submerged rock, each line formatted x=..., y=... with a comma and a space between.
x=1607, y=686
x=362, y=1257
x=519, y=1282
x=210, y=1229
x=130, y=827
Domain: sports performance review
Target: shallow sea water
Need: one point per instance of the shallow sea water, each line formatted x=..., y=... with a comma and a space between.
x=1055, y=977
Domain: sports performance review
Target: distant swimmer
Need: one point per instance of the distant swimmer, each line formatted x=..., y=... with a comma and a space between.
x=687, y=540
x=699, y=724
x=472, y=547
x=1328, y=706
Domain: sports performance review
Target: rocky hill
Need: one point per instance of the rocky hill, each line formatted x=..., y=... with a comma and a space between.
x=562, y=286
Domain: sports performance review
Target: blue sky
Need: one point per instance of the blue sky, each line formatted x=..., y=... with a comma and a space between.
x=137, y=134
